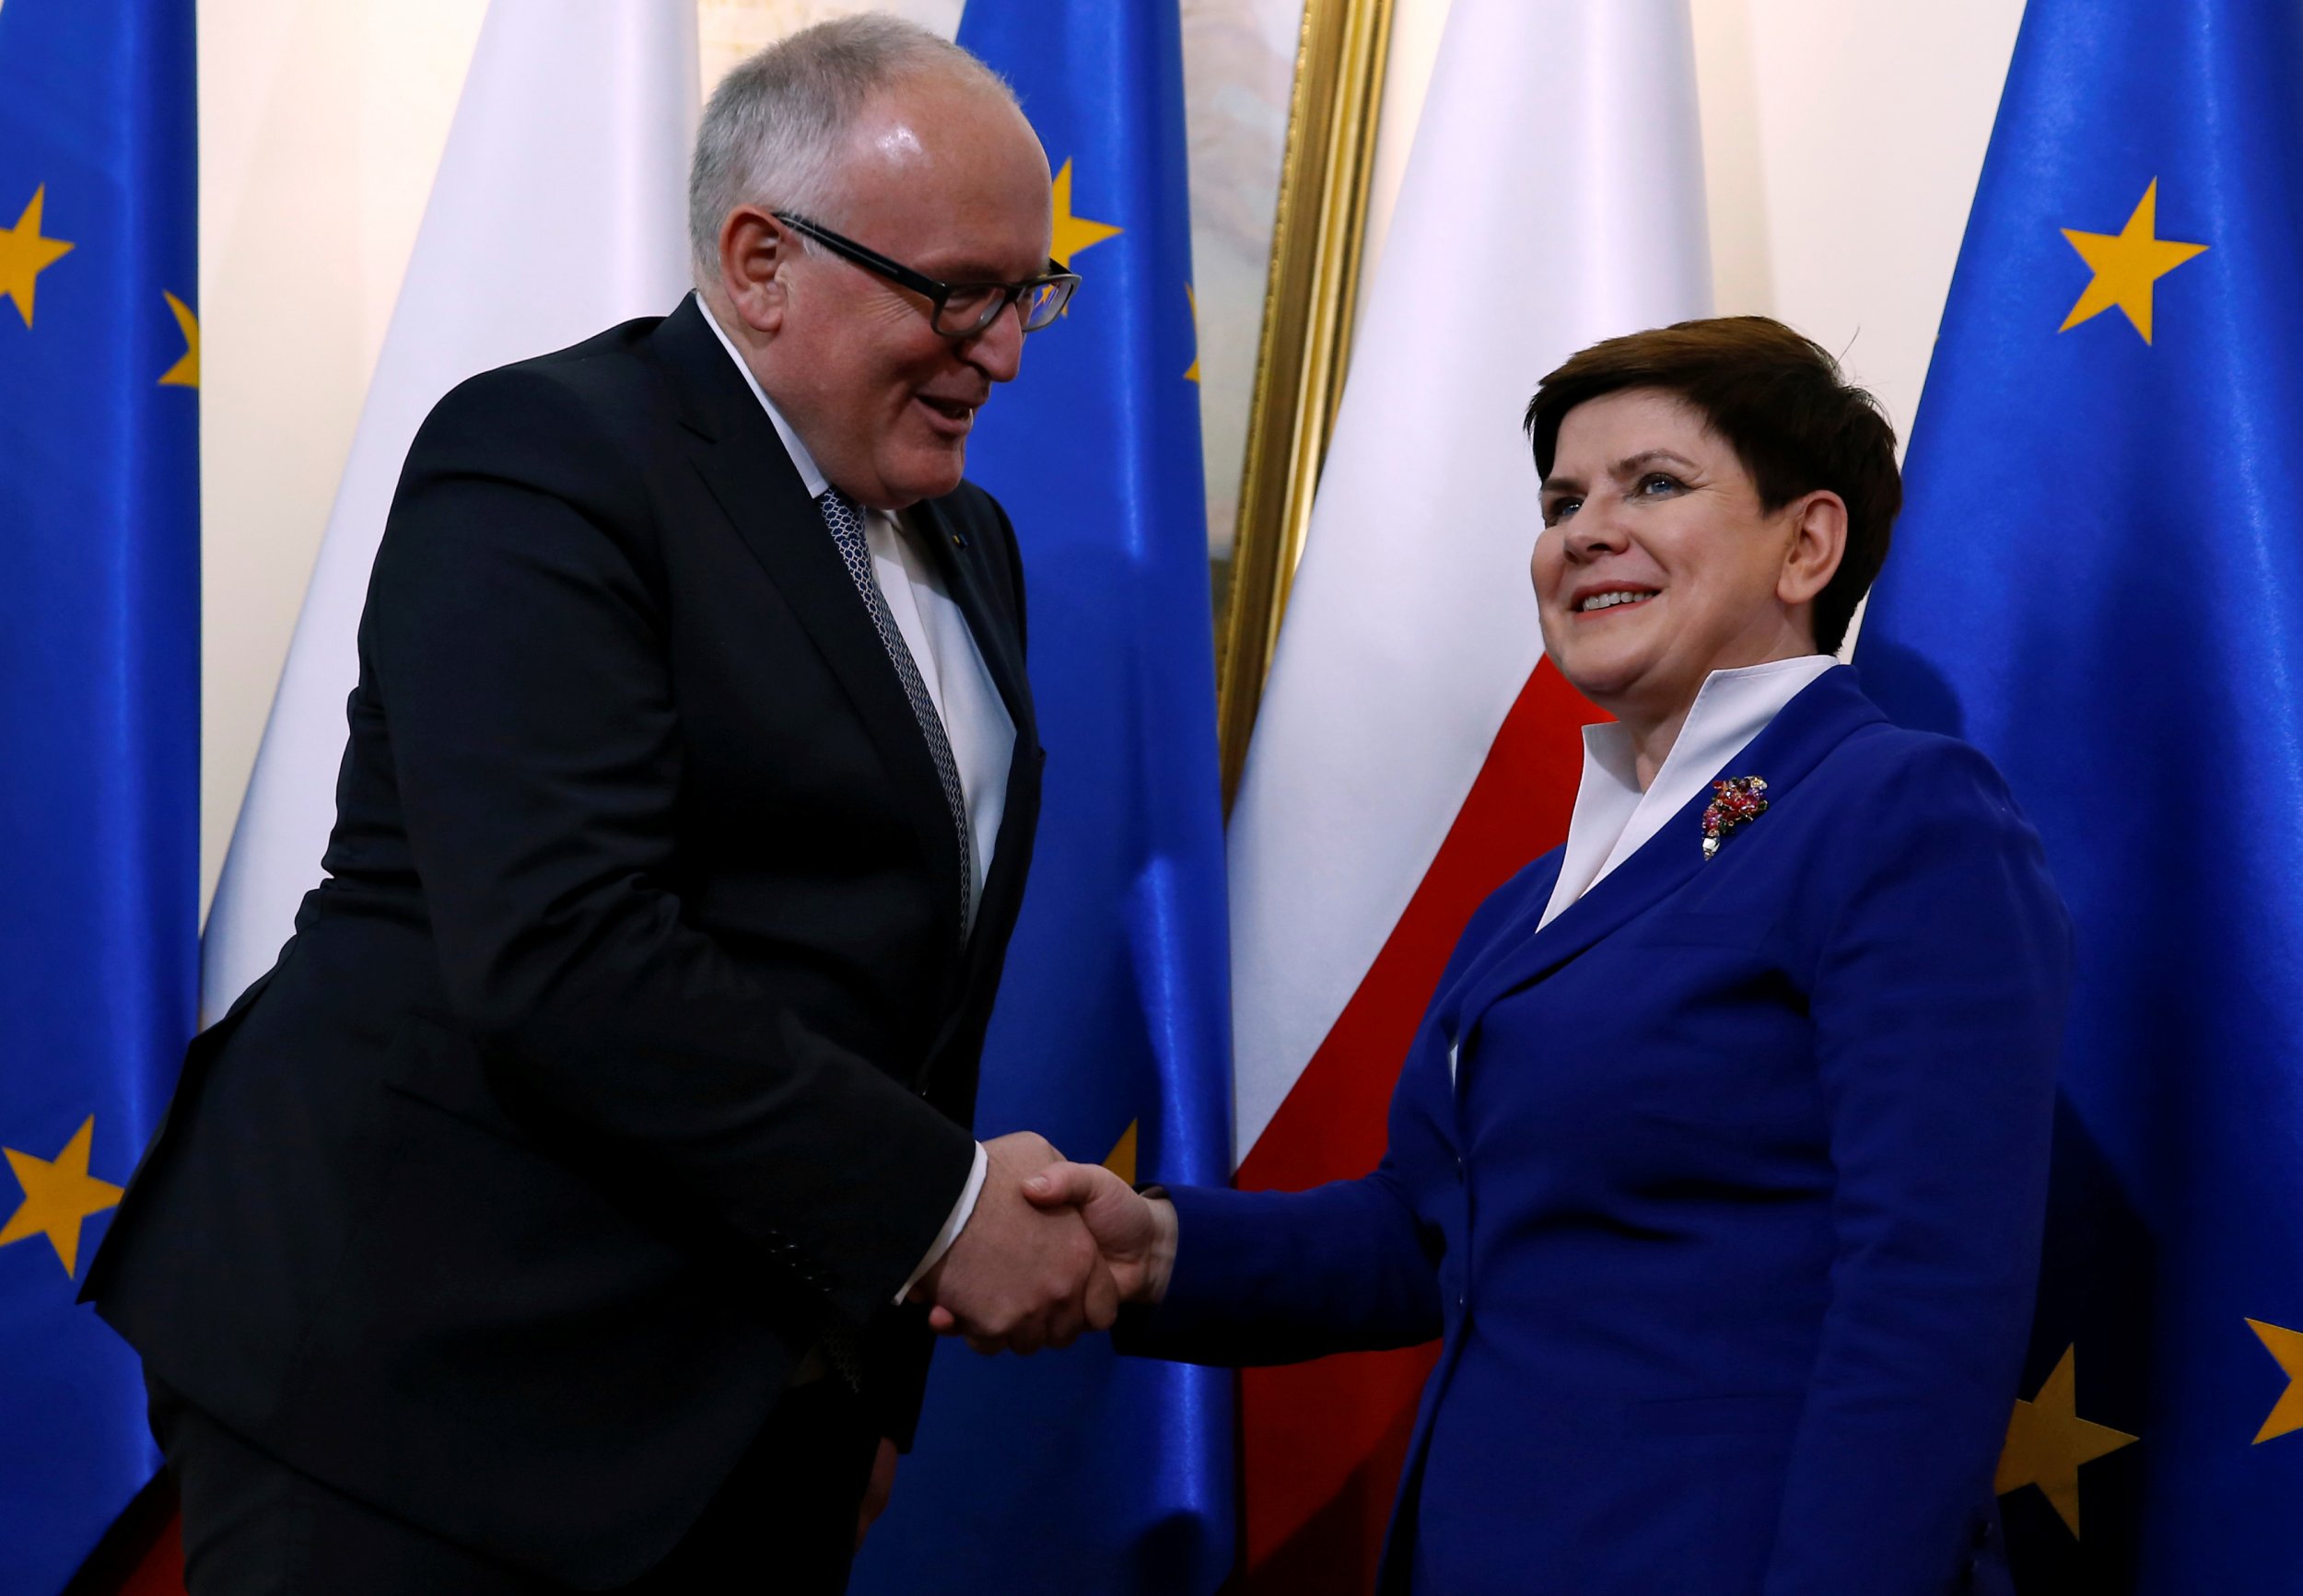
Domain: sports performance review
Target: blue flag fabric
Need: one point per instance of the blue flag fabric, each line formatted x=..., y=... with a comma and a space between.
x=99, y=718
x=1112, y=1035
x=2099, y=579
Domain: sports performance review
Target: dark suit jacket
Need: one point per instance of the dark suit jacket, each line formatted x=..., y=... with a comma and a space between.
x=630, y=1041
x=1731, y=1228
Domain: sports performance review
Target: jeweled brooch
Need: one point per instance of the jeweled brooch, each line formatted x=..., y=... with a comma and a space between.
x=1734, y=802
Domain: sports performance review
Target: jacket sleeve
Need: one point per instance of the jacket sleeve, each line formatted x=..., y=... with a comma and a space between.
x=1265, y=1277
x=518, y=653
x=1938, y=1005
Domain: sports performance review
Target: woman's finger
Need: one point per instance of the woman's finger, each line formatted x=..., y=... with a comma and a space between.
x=1103, y=1297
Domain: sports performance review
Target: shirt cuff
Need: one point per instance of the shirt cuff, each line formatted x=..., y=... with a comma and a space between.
x=961, y=1212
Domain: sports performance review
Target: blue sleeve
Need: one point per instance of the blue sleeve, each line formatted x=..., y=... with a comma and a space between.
x=1266, y=1277
x=1938, y=1005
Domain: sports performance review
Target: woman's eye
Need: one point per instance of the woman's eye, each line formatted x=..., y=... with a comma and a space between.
x=1656, y=482
x=1559, y=509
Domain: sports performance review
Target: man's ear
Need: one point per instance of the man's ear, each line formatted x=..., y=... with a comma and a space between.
x=755, y=249
x=1818, y=542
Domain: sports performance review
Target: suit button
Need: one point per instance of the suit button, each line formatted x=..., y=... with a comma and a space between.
x=1459, y=1167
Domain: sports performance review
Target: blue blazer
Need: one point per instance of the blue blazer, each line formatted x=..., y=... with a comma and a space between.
x=1730, y=1219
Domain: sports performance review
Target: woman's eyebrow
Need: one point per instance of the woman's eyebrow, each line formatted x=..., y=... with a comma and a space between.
x=1632, y=464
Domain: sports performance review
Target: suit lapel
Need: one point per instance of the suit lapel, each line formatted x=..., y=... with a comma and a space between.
x=967, y=577
x=972, y=584
x=734, y=449
x=1822, y=717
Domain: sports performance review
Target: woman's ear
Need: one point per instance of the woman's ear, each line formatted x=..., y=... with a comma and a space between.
x=1818, y=540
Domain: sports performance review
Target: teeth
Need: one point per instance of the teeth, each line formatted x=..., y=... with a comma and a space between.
x=1609, y=600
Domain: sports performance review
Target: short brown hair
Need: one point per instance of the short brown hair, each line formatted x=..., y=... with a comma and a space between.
x=1780, y=403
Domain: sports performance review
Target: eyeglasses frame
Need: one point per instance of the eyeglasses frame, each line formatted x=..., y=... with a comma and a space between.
x=936, y=293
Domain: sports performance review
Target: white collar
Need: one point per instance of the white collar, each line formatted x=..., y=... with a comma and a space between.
x=809, y=474
x=1614, y=818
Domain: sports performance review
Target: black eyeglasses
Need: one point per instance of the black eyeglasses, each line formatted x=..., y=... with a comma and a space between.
x=960, y=309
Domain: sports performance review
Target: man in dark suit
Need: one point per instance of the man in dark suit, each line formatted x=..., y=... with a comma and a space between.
x=563, y=1209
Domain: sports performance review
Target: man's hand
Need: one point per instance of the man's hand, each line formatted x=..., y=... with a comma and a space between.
x=1019, y=1277
x=1136, y=1234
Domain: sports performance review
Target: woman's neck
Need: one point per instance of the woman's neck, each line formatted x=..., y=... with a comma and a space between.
x=1654, y=720
x=1652, y=740
x=1654, y=729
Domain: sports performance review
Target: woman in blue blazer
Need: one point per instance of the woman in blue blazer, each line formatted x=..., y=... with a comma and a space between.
x=1718, y=1159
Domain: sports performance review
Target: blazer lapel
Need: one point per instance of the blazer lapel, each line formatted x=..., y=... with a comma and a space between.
x=1817, y=721
x=734, y=448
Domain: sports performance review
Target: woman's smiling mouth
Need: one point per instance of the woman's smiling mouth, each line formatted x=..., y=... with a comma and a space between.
x=1613, y=599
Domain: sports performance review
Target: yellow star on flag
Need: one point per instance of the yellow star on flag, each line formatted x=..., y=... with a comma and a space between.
x=2047, y=1441
x=185, y=373
x=24, y=255
x=2287, y=1346
x=1073, y=233
x=1193, y=375
x=1122, y=1162
x=2125, y=265
x=59, y=1193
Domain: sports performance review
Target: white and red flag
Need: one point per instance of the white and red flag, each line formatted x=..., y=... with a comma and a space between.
x=1413, y=751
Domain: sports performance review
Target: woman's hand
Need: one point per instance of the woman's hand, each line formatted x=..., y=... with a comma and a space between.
x=1136, y=1234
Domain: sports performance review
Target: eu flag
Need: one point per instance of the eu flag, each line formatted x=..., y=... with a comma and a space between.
x=2099, y=579
x=99, y=718
x=1111, y=1038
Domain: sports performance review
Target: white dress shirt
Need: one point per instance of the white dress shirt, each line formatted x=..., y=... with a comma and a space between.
x=1613, y=818
x=975, y=722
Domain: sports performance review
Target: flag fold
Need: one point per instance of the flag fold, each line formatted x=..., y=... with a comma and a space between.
x=2097, y=579
x=100, y=719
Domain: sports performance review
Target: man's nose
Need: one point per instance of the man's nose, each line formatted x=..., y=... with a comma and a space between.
x=997, y=350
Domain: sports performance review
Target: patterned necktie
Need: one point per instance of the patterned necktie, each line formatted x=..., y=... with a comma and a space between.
x=845, y=518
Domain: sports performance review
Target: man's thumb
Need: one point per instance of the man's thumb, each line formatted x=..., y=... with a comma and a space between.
x=1060, y=1187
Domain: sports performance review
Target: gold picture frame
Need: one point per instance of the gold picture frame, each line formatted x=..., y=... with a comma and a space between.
x=1309, y=301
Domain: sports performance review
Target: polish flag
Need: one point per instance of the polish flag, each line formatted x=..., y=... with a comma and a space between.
x=1413, y=752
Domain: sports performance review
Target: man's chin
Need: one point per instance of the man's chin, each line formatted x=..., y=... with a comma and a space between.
x=927, y=473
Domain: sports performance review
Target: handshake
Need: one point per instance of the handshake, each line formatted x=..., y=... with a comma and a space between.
x=1052, y=1249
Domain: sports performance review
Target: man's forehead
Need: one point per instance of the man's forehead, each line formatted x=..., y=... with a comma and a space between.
x=951, y=173
x=928, y=118
x=898, y=142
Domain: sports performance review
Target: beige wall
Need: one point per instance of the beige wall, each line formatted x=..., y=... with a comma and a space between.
x=1842, y=142
x=320, y=123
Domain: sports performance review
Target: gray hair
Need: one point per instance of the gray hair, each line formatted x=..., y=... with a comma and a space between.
x=778, y=124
